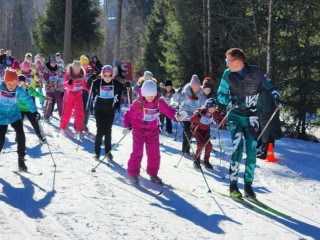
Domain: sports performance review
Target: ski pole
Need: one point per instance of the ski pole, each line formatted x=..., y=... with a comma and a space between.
x=63, y=108
x=189, y=144
x=267, y=124
x=86, y=117
x=114, y=147
x=176, y=131
x=217, y=128
x=54, y=163
x=220, y=145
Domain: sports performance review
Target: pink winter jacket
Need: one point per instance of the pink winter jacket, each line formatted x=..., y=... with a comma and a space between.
x=134, y=116
x=77, y=80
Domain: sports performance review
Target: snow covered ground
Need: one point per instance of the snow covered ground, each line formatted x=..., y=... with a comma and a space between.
x=70, y=201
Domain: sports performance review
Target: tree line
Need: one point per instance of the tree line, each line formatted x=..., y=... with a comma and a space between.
x=175, y=39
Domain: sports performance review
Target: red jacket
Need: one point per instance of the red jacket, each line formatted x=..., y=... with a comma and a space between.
x=201, y=119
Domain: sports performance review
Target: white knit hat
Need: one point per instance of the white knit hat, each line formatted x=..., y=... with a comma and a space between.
x=147, y=75
x=149, y=89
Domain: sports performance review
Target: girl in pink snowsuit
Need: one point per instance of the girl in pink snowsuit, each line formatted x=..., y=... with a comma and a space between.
x=143, y=118
x=72, y=100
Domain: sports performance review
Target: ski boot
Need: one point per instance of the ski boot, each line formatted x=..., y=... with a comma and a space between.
x=208, y=165
x=133, y=179
x=234, y=191
x=42, y=139
x=21, y=164
x=109, y=157
x=96, y=156
x=156, y=179
x=196, y=164
x=248, y=191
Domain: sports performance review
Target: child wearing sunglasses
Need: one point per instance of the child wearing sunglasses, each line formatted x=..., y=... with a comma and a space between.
x=107, y=91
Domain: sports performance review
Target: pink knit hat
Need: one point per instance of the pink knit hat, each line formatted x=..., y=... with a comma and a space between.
x=195, y=81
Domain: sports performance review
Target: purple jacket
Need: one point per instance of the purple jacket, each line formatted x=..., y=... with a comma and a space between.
x=135, y=116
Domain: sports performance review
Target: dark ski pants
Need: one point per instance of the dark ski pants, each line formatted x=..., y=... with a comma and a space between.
x=33, y=121
x=104, y=121
x=21, y=139
x=187, y=131
x=168, y=123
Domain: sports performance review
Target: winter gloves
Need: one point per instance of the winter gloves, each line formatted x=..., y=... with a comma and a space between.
x=94, y=76
x=181, y=116
x=276, y=97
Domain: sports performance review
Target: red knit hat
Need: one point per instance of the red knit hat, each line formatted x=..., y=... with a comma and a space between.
x=207, y=83
x=16, y=65
x=10, y=75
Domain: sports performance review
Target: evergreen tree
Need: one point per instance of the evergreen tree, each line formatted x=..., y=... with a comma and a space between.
x=152, y=47
x=86, y=33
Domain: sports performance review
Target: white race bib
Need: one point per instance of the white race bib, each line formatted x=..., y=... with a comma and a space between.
x=150, y=114
x=8, y=98
x=107, y=91
x=206, y=119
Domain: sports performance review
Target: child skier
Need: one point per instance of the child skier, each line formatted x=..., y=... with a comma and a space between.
x=72, y=100
x=51, y=75
x=107, y=91
x=201, y=121
x=167, y=94
x=10, y=92
x=143, y=118
x=34, y=118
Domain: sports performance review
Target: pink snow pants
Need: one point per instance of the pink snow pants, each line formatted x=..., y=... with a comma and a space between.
x=151, y=139
x=72, y=101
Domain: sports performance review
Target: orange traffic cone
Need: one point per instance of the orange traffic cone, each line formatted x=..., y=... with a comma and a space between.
x=270, y=154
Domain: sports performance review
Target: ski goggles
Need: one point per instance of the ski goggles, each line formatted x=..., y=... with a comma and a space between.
x=228, y=61
x=107, y=75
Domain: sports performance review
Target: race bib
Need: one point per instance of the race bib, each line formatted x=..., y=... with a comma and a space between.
x=77, y=86
x=150, y=114
x=8, y=62
x=107, y=91
x=8, y=98
x=206, y=119
x=53, y=78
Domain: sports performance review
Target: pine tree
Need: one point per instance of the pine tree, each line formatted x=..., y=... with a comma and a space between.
x=86, y=33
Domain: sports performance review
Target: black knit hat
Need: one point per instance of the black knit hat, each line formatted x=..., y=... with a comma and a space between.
x=168, y=83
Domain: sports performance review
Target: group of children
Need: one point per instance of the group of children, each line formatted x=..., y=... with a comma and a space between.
x=66, y=88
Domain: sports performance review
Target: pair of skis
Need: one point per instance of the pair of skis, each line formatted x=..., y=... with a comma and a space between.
x=255, y=205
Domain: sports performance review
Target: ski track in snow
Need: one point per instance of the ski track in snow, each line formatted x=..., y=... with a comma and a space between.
x=72, y=202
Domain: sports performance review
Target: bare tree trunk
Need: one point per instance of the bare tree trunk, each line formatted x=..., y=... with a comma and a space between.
x=204, y=33
x=106, y=40
x=209, y=40
x=67, y=32
x=270, y=42
x=256, y=33
x=118, y=30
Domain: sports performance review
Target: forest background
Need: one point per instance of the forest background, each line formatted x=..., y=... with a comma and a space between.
x=177, y=38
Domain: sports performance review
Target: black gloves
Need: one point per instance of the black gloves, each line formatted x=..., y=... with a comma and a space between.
x=127, y=84
x=37, y=116
x=70, y=81
x=94, y=76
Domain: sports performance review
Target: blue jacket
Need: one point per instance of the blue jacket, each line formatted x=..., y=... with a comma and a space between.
x=9, y=108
